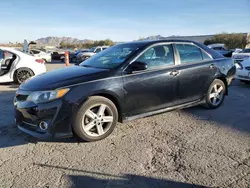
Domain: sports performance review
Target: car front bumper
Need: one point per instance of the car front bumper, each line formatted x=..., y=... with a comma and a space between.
x=243, y=75
x=57, y=115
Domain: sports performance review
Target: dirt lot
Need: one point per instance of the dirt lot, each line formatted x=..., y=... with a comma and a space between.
x=192, y=147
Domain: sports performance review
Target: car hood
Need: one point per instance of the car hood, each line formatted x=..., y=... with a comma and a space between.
x=246, y=63
x=64, y=77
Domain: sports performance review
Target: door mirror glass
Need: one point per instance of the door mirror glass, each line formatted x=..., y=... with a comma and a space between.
x=136, y=66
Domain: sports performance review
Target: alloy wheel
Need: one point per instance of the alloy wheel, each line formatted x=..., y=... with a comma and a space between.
x=216, y=94
x=23, y=75
x=97, y=120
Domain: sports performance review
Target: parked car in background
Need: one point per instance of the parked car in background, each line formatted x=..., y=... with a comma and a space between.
x=82, y=56
x=58, y=55
x=241, y=56
x=73, y=55
x=21, y=66
x=243, y=71
x=41, y=54
x=124, y=82
x=236, y=51
x=221, y=49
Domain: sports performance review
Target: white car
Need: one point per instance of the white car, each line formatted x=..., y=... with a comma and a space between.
x=40, y=54
x=20, y=66
x=241, y=56
x=92, y=51
x=236, y=51
x=221, y=49
x=243, y=71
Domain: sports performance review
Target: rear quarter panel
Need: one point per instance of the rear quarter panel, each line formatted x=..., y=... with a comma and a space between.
x=227, y=68
x=26, y=61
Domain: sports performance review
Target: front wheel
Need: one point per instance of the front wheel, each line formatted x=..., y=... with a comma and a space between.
x=96, y=119
x=216, y=94
x=22, y=74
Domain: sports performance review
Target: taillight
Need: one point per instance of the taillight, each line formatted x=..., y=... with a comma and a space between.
x=40, y=61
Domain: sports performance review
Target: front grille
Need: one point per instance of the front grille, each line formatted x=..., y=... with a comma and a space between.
x=248, y=68
x=21, y=97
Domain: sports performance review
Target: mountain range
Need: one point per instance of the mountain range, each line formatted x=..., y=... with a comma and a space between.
x=55, y=41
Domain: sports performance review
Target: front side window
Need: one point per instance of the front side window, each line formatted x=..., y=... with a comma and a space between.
x=189, y=53
x=157, y=56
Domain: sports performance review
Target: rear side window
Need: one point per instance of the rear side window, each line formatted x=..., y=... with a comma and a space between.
x=189, y=53
x=205, y=56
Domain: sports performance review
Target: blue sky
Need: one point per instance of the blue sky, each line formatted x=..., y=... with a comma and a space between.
x=120, y=20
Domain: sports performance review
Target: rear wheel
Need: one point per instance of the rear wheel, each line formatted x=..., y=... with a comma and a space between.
x=96, y=119
x=216, y=94
x=22, y=74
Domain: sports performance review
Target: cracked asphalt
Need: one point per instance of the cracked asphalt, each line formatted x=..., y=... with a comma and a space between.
x=194, y=147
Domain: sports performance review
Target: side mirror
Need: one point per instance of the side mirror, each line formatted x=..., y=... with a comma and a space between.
x=137, y=66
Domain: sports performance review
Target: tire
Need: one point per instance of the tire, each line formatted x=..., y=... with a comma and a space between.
x=215, y=97
x=22, y=74
x=89, y=125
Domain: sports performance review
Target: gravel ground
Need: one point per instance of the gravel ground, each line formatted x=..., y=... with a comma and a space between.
x=186, y=148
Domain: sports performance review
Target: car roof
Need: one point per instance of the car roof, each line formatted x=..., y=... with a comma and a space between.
x=216, y=45
x=149, y=42
x=15, y=51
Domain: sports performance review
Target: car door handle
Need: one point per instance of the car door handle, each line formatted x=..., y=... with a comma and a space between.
x=174, y=73
x=212, y=66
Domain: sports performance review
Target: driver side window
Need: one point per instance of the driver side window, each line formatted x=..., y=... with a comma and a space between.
x=157, y=56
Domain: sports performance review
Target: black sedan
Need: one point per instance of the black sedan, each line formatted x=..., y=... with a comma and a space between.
x=124, y=82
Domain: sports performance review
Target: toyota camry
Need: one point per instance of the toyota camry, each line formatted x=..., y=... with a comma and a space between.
x=124, y=82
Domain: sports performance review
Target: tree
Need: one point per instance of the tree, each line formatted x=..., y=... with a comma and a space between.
x=248, y=40
x=231, y=41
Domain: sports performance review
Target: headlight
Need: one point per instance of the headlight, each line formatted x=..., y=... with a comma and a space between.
x=45, y=96
x=239, y=66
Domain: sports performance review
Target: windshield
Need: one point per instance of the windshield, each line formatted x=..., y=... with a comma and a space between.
x=245, y=51
x=112, y=57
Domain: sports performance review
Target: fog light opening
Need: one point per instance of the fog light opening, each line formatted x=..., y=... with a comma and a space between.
x=43, y=125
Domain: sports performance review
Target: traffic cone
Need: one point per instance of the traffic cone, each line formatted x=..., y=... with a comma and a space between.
x=67, y=58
